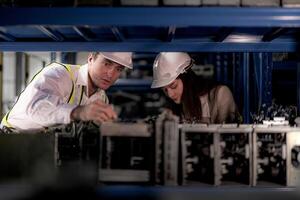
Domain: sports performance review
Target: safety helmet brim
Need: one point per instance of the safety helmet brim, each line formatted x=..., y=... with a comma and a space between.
x=127, y=62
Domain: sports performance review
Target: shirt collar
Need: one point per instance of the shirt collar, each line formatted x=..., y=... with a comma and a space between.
x=83, y=75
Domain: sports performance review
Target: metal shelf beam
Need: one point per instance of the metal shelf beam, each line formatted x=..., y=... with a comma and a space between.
x=56, y=36
x=7, y=37
x=152, y=46
x=84, y=33
x=157, y=16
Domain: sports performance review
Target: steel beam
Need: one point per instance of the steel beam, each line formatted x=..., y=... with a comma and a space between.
x=118, y=34
x=7, y=37
x=246, y=104
x=20, y=72
x=273, y=34
x=56, y=36
x=222, y=34
x=151, y=46
x=156, y=16
x=85, y=33
x=171, y=33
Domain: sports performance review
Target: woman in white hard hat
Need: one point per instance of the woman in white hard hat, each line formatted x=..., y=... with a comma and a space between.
x=199, y=100
x=61, y=93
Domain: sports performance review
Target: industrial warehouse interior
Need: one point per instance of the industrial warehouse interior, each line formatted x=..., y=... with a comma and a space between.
x=141, y=141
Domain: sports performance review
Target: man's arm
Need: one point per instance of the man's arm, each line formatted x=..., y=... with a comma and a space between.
x=48, y=105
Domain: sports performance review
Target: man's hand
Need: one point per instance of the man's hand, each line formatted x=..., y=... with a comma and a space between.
x=96, y=111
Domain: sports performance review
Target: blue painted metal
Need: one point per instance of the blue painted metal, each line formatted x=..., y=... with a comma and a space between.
x=68, y=57
x=53, y=56
x=218, y=67
x=286, y=65
x=222, y=34
x=205, y=16
x=171, y=33
x=118, y=34
x=263, y=67
x=56, y=36
x=225, y=68
x=194, y=192
x=84, y=33
x=273, y=34
x=258, y=83
x=7, y=37
x=150, y=46
x=234, y=74
x=246, y=105
x=20, y=72
x=298, y=89
x=267, y=78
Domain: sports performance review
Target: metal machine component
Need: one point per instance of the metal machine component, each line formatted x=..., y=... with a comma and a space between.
x=275, y=155
x=233, y=155
x=77, y=142
x=198, y=154
x=166, y=149
x=126, y=152
x=164, y=153
x=293, y=157
x=170, y=152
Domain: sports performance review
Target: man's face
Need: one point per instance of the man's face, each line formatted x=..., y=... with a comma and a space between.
x=103, y=72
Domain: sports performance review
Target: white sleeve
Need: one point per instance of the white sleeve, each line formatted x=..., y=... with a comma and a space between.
x=49, y=92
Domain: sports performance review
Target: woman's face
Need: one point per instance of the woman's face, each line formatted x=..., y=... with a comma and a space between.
x=174, y=90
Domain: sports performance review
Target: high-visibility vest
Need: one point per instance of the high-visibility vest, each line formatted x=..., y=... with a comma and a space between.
x=69, y=101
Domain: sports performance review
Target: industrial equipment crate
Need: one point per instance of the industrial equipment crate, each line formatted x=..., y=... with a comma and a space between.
x=276, y=156
x=198, y=154
x=233, y=158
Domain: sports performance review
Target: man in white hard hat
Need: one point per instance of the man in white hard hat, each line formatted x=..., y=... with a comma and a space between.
x=61, y=93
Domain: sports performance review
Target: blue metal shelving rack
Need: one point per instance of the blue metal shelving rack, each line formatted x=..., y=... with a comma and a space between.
x=203, y=29
x=155, y=29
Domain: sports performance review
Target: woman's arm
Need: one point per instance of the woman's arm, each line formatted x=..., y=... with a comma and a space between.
x=226, y=108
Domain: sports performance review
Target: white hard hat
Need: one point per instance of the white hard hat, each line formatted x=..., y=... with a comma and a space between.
x=122, y=58
x=167, y=67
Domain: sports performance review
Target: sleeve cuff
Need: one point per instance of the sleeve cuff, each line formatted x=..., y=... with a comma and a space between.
x=65, y=111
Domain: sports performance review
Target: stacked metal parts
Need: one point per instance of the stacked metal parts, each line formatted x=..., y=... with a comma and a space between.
x=160, y=152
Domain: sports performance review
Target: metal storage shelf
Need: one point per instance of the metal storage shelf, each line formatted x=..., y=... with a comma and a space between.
x=153, y=29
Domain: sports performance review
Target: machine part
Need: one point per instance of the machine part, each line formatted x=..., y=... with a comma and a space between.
x=170, y=152
x=277, y=112
x=158, y=169
x=126, y=152
x=125, y=129
x=271, y=155
x=115, y=175
x=197, y=154
x=293, y=157
x=233, y=161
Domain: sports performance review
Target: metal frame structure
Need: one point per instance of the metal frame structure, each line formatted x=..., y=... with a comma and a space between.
x=155, y=29
x=58, y=24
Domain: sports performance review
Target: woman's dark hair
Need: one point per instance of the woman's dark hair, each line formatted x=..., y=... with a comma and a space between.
x=193, y=87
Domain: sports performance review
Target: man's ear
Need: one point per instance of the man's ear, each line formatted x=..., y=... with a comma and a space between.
x=90, y=58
